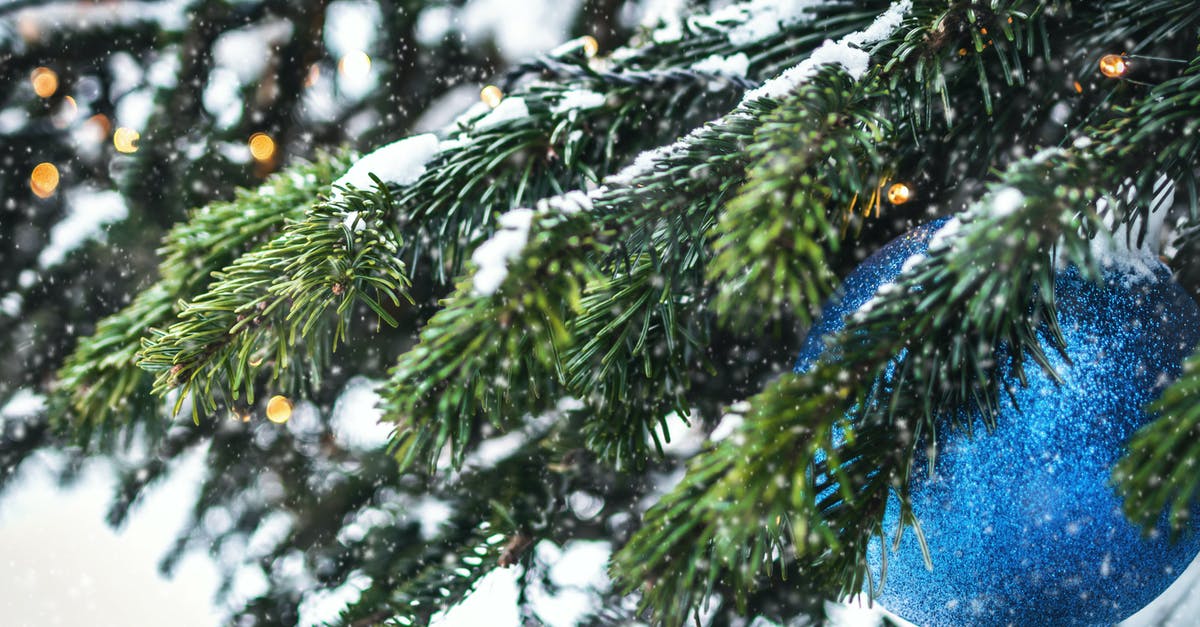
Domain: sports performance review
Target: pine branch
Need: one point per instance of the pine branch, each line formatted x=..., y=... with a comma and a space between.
x=484, y=358
x=803, y=490
x=100, y=379
x=1157, y=475
x=682, y=183
x=815, y=160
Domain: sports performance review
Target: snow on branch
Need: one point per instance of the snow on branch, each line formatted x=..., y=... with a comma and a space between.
x=492, y=257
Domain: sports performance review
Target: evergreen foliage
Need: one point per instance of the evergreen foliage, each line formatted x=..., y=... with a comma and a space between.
x=641, y=245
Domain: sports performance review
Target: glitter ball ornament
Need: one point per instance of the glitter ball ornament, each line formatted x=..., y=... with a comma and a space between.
x=1023, y=525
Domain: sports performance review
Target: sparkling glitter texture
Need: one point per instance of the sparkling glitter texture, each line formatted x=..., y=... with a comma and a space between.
x=1022, y=525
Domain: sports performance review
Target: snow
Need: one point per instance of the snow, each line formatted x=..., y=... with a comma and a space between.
x=911, y=263
x=732, y=65
x=570, y=202
x=492, y=256
x=847, y=52
x=170, y=14
x=351, y=26
x=578, y=99
x=756, y=20
x=355, y=416
x=1121, y=251
x=246, y=51
x=88, y=211
x=400, y=163
x=1006, y=201
x=23, y=404
x=535, y=27
x=508, y=109
x=943, y=236
x=64, y=566
x=10, y=304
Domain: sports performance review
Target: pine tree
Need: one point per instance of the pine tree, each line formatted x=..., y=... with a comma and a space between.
x=619, y=249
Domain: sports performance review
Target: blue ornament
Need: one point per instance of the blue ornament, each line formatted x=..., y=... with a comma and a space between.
x=1022, y=524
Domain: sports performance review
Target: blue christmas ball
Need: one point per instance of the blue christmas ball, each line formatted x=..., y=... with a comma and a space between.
x=1023, y=524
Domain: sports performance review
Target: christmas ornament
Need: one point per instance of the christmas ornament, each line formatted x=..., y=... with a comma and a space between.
x=1022, y=524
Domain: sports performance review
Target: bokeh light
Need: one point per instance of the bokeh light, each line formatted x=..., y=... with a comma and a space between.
x=262, y=147
x=43, y=180
x=491, y=96
x=125, y=139
x=45, y=81
x=899, y=193
x=355, y=65
x=1113, y=65
x=279, y=409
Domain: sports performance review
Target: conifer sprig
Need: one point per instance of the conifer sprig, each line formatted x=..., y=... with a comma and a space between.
x=101, y=379
x=808, y=476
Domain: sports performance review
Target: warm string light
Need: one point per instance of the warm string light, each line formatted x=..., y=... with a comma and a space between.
x=355, y=65
x=125, y=139
x=279, y=409
x=43, y=180
x=590, y=45
x=491, y=96
x=45, y=81
x=262, y=147
x=1114, y=65
x=899, y=193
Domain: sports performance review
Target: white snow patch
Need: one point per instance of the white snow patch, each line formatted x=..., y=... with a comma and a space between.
x=247, y=50
x=508, y=109
x=400, y=163
x=88, y=211
x=492, y=256
x=753, y=21
x=847, y=52
x=1006, y=201
x=1121, y=250
x=355, y=417
x=570, y=202
x=10, y=304
x=732, y=65
x=911, y=263
x=943, y=236
x=323, y=607
x=687, y=438
x=578, y=99
x=535, y=27
x=23, y=404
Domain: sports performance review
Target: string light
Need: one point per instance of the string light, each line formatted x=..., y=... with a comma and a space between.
x=491, y=96
x=355, y=65
x=262, y=147
x=43, y=180
x=279, y=409
x=45, y=81
x=899, y=193
x=124, y=139
x=1113, y=65
x=590, y=46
